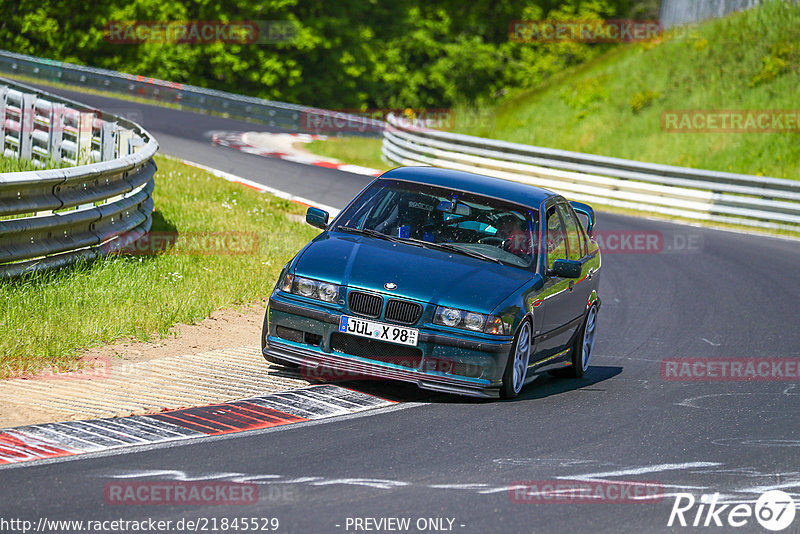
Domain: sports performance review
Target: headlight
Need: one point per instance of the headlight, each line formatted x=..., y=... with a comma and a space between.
x=448, y=316
x=313, y=289
x=306, y=287
x=477, y=322
x=328, y=292
x=474, y=321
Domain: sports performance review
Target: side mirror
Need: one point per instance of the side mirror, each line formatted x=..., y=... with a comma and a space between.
x=317, y=218
x=566, y=269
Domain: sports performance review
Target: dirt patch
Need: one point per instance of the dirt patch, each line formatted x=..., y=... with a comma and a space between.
x=223, y=329
x=19, y=415
x=217, y=360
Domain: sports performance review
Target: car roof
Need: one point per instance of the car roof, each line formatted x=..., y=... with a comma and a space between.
x=489, y=186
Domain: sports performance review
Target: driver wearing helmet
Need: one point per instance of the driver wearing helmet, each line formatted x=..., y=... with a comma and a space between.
x=516, y=237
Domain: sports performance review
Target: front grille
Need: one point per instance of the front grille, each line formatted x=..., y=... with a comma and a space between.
x=376, y=350
x=403, y=311
x=365, y=304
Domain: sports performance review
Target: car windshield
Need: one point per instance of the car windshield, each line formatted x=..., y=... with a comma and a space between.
x=434, y=217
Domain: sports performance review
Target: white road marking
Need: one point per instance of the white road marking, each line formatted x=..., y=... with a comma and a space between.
x=480, y=488
x=261, y=187
x=690, y=402
x=642, y=470
x=369, y=482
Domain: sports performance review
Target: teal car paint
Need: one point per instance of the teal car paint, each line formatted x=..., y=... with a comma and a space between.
x=453, y=281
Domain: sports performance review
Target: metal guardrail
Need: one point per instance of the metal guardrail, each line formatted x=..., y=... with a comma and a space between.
x=676, y=12
x=684, y=192
x=280, y=115
x=50, y=218
x=692, y=193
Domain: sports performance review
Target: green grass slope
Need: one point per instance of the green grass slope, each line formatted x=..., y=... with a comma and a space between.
x=613, y=106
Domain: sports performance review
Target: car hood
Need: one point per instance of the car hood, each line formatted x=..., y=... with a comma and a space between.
x=429, y=275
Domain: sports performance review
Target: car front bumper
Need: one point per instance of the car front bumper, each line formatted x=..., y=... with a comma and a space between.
x=484, y=358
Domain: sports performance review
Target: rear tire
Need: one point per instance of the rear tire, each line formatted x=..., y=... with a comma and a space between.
x=517, y=365
x=583, y=346
x=580, y=360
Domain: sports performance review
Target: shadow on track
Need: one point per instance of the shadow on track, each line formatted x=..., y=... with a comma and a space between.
x=547, y=386
x=541, y=388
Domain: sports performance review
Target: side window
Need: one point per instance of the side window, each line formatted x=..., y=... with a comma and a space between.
x=574, y=242
x=556, y=238
x=583, y=234
x=583, y=237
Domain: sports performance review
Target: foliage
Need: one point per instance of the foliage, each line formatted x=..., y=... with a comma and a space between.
x=346, y=54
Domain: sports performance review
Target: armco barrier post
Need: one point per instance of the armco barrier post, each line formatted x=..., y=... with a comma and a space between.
x=84, y=138
x=124, y=137
x=26, y=112
x=108, y=144
x=3, y=93
x=56, y=131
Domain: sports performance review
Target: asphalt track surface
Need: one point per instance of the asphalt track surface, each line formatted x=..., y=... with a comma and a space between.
x=438, y=456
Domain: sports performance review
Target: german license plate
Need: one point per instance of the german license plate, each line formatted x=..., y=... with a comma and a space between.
x=379, y=331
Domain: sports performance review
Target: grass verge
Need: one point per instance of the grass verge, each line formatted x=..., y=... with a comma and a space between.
x=362, y=151
x=16, y=165
x=45, y=319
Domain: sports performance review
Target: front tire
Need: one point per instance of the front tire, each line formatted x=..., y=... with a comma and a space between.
x=517, y=364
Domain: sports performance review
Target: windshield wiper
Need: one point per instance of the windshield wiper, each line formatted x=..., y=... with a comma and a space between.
x=465, y=251
x=420, y=243
x=371, y=233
